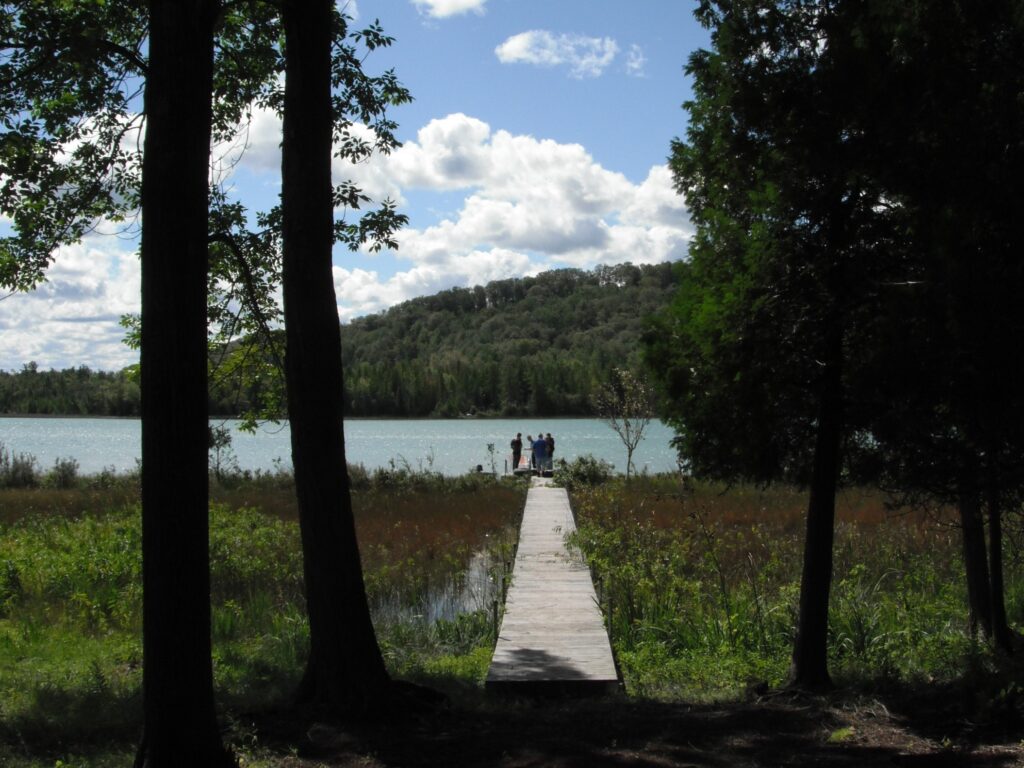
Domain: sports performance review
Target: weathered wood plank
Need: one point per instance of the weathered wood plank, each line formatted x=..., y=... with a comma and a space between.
x=552, y=635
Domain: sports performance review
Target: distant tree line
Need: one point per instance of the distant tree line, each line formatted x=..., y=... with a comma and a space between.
x=72, y=392
x=532, y=345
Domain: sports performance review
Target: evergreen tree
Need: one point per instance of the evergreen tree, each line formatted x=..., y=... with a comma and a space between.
x=948, y=429
x=760, y=353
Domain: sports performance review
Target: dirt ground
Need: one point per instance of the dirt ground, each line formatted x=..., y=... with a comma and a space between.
x=922, y=728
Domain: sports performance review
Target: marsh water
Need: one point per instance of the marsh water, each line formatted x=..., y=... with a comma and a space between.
x=448, y=446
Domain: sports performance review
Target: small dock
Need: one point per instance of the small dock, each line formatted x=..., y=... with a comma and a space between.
x=552, y=637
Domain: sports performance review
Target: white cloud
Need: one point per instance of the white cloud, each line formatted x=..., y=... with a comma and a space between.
x=442, y=9
x=72, y=318
x=515, y=205
x=636, y=62
x=585, y=56
x=362, y=292
x=530, y=204
x=656, y=202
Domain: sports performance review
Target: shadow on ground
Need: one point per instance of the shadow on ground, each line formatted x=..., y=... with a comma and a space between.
x=923, y=726
x=782, y=730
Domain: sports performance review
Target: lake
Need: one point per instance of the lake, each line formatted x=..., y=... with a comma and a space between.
x=449, y=446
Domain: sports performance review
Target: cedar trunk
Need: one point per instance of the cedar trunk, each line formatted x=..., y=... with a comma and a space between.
x=1001, y=634
x=975, y=561
x=810, y=650
x=180, y=723
x=345, y=670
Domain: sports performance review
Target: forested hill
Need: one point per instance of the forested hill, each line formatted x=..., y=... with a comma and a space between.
x=532, y=345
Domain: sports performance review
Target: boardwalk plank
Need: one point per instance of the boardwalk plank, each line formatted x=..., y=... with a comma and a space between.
x=552, y=635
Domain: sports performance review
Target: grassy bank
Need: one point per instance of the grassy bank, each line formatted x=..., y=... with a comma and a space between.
x=433, y=550
x=702, y=588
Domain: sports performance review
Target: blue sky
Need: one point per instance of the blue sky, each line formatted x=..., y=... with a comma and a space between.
x=537, y=139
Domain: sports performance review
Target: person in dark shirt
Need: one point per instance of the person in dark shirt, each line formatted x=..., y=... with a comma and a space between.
x=517, y=450
x=551, y=450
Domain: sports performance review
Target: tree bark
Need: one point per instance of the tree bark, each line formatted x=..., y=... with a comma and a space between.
x=180, y=722
x=345, y=670
x=975, y=560
x=810, y=650
x=1001, y=634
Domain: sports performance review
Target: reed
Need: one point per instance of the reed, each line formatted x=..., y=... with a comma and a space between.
x=700, y=587
x=70, y=596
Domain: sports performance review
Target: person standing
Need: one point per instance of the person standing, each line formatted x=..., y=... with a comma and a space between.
x=517, y=451
x=540, y=453
x=550, y=442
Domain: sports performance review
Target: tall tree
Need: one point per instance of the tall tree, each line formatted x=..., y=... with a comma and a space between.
x=345, y=670
x=950, y=153
x=180, y=721
x=72, y=74
x=760, y=354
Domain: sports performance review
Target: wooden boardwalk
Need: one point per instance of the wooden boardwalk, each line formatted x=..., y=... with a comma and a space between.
x=552, y=637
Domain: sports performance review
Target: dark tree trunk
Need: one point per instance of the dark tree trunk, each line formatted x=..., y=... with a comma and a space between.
x=810, y=650
x=180, y=722
x=345, y=670
x=975, y=560
x=1001, y=634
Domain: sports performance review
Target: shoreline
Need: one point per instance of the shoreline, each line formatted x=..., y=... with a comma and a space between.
x=346, y=418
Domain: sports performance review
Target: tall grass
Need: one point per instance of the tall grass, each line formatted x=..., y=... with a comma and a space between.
x=701, y=589
x=70, y=595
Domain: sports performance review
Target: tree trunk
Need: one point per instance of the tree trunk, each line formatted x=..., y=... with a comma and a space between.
x=1001, y=634
x=345, y=670
x=810, y=651
x=180, y=723
x=975, y=560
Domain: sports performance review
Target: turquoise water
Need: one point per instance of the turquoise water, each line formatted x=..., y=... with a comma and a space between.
x=450, y=446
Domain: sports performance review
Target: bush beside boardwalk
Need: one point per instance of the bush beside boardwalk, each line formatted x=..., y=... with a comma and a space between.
x=701, y=589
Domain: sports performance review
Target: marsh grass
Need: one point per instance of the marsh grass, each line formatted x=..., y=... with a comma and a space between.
x=70, y=599
x=702, y=587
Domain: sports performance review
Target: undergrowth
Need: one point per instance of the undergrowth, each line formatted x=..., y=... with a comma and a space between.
x=70, y=602
x=701, y=589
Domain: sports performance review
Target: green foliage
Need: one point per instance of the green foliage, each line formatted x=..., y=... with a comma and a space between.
x=70, y=597
x=71, y=72
x=17, y=470
x=63, y=475
x=534, y=345
x=625, y=402
x=782, y=307
x=71, y=392
x=583, y=471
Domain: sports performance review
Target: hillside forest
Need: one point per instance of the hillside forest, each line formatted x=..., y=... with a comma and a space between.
x=523, y=346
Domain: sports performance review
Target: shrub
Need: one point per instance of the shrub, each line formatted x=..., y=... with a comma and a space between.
x=583, y=471
x=17, y=470
x=105, y=478
x=10, y=586
x=64, y=474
